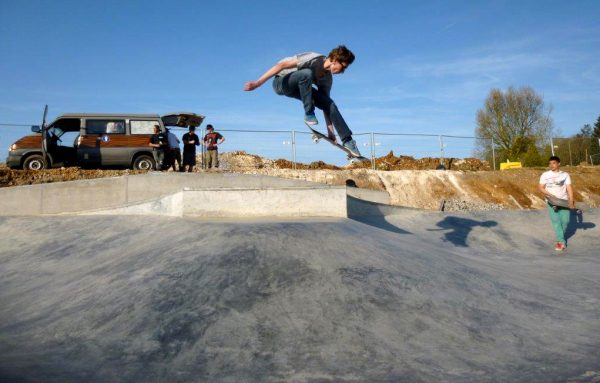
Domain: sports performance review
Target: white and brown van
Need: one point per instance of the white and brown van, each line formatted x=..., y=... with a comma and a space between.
x=101, y=140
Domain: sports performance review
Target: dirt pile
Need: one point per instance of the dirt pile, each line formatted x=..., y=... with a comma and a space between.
x=9, y=177
x=241, y=161
x=462, y=190
x=392, y=162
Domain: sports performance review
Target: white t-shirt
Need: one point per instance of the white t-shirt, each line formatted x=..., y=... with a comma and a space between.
x=556, y=183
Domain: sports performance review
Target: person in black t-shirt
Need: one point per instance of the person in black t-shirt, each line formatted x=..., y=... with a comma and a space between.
x=190, y=141
x=159, y=143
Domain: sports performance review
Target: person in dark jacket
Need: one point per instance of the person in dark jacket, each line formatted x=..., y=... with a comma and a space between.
x=190, y=141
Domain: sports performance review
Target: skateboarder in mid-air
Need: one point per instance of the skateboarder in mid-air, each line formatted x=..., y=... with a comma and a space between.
x=557, y=184
x=294, y=77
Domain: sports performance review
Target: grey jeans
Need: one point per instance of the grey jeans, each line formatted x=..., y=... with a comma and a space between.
x=299, y=85
x=159, y=157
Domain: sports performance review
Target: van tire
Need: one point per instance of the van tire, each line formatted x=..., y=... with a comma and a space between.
x=144, y=162
x=34, y=162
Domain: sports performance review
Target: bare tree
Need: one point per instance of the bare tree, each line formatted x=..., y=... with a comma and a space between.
x=514, y=120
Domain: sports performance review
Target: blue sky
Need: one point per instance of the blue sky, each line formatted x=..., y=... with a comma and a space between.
x=421, y=67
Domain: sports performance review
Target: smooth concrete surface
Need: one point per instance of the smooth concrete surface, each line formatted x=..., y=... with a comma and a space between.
x=377, y=196
x=282, y=202
x=412, y=297
x=241, y=202
x=170, y=206
x=116, y=192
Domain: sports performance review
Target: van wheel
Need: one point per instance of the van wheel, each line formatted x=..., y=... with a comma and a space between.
x=34, y=162
x=143, y=162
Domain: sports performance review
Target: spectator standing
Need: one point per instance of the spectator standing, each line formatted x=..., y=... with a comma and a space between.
x=190, y=141
x=174, y=151
x=159, y=143
x=212, y=140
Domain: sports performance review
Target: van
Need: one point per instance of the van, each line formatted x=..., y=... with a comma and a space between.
x=100, y=139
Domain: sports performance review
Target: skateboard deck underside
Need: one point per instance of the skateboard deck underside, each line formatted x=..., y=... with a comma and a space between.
x=321, y=136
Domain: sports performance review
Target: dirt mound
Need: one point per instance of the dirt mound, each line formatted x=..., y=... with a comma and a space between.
x=392, y=162
x=10, y=177
x=241, y=160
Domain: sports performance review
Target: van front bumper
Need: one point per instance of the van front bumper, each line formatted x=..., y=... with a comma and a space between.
x=13, y=160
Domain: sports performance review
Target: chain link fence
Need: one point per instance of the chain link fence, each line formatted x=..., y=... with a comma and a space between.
x=576, y=150
x=297, y=146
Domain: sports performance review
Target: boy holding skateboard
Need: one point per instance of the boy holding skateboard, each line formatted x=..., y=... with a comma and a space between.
x=294, y=77
x=557, y=184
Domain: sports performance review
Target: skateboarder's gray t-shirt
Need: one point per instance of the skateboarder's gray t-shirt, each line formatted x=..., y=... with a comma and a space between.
x=323, y=78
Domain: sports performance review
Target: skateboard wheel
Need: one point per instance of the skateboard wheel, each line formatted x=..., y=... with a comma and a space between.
x=315, y=138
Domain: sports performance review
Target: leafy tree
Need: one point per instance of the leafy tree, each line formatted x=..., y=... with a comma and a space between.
x=586, y=131
x=532, y=157
x=596, y=132
x=515, y=120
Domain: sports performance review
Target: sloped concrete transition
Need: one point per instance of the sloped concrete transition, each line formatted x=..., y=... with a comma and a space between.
x=411, y=297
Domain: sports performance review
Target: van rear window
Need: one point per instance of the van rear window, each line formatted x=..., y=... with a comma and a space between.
x=142, y=127
x=105, y=126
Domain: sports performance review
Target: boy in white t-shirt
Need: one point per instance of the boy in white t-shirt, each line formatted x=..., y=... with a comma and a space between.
x=557, y=183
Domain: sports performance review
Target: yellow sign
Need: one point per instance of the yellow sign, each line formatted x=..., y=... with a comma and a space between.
x=510, y=165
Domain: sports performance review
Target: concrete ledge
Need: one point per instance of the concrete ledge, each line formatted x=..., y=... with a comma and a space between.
x=281, y=202
x=117, y=192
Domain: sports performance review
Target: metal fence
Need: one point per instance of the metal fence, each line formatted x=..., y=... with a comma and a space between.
x=297, y=146
x=576, y=150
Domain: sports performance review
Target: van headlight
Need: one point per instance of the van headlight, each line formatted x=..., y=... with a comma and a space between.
x=12, y=147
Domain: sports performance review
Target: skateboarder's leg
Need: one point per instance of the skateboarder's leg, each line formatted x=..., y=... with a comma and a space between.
x=326, y=104
x=297, y=85
x=565, y=218
x=557, y=223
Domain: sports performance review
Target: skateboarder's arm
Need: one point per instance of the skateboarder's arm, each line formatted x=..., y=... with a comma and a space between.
x=571, y=199
x=291, y=63
x=542, y=188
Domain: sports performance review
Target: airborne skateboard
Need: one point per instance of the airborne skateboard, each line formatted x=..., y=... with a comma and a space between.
x=317, y=136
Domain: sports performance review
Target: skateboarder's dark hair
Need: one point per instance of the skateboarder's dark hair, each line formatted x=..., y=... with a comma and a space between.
x=342, y=55
x=554, y=158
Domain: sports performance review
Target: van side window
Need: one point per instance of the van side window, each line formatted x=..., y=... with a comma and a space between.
x=142, y=127
x=105, y=126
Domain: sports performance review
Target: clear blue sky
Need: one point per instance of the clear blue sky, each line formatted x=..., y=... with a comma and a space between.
x=421, y=67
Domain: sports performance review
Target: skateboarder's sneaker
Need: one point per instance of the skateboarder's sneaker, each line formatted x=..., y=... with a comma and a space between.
x=560, y=246
x=311, y=119
x=351, y=146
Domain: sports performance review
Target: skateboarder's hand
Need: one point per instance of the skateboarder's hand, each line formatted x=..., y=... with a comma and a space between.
x=251, y=85
x=331, y=136
x=571, y=204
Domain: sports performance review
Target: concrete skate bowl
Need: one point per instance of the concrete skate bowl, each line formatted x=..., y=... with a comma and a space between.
x=411, y=297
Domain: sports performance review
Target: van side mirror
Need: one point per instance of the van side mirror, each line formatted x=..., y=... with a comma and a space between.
x=35, y=128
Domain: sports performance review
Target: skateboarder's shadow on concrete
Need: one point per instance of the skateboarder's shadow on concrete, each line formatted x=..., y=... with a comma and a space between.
x=460, y=228
x=576, y=222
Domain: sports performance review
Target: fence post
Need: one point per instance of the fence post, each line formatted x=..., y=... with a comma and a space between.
x=294, y=149
x=441, y=150
x=372, y=150
x=552, y=145
x=493, y=153
x=203, y=166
